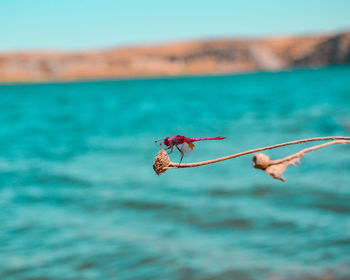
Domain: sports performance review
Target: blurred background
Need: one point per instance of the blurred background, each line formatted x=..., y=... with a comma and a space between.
x=86, y=88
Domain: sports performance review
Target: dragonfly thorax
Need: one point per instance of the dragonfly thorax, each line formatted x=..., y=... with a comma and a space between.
x=175, y=140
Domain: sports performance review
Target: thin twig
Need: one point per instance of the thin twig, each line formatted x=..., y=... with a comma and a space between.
x=303, y=152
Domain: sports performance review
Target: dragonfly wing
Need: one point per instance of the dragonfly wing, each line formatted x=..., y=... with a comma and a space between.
x=187, y=148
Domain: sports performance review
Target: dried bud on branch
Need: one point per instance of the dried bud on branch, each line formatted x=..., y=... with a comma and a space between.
x=161, y=163
x=275, y=168
x=261, y=161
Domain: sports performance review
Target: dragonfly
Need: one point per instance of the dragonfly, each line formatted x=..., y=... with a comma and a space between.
x=184, y=144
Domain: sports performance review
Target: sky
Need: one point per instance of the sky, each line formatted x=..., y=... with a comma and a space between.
x=98, y=24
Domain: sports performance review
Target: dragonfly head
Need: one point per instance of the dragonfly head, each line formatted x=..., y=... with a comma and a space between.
x=166, y=141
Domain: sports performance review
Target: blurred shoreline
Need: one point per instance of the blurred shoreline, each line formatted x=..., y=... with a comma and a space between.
x=192, y=58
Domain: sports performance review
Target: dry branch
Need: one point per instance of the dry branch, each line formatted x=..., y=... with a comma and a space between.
x=162, y=161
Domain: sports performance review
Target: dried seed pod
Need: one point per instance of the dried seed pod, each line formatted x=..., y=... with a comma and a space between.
x=261, y=161
x=274, y=168
x=161, y=162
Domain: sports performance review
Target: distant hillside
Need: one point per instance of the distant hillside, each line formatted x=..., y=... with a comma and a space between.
x=199, y=57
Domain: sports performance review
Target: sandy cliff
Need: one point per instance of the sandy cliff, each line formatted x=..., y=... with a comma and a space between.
x=200, y=57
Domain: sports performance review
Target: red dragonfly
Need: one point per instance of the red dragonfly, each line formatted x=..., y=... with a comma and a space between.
x=186, y=143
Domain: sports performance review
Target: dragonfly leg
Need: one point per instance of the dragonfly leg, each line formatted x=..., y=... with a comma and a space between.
x=182, y=154
x=171, y=149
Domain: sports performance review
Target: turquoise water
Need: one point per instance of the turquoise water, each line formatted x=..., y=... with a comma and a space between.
x=79, y=198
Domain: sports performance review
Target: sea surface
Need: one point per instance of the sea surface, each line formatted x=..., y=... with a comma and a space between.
x=79, y=198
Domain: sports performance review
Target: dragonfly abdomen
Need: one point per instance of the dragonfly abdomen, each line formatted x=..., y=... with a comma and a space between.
x=193, y=139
